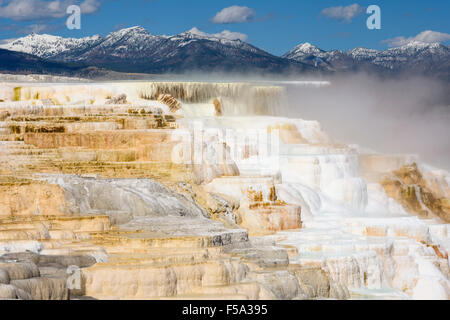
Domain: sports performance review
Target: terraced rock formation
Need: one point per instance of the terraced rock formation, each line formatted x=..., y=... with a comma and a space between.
x=196, y=190
x=410, y=188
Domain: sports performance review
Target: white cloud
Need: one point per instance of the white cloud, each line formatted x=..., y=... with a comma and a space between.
x=90, y=6
x=225, y=34
x=426, y=36
x=343, y=13
x=27, y=10
x=234, y=14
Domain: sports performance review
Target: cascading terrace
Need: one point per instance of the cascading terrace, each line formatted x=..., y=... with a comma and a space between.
x=260, y=207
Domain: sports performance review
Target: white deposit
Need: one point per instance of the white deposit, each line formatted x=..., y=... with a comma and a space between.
x=339, y=205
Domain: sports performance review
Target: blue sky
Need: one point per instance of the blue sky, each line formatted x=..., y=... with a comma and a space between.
x=273, y=25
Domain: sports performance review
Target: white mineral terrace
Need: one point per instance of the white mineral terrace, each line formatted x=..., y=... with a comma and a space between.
x=325, y=205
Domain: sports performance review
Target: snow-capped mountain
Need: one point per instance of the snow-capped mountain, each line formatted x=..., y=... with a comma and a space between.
x=47, y=46
x=304, y=50
x=321, y=59
x=363, y=54
x=129, y=43
x=136, y=50
x=414, y=57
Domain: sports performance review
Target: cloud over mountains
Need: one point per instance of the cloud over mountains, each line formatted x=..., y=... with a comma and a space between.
x=343, y=13
x=234, y=14
x=426, y=36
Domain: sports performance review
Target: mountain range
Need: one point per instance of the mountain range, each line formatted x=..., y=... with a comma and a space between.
x=135, y=50
x=414, y=57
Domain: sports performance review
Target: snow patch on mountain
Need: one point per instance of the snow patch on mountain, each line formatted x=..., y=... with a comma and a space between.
x=225, y=34
x=46, y=46
x=304, y=50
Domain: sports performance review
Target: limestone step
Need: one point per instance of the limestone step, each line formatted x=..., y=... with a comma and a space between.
x=163, y=255
x=145, y=240
x=249, y=290
x=42, y=227
x=23, y=234
x=12, y=144
x=74, y=223
x=134, y=281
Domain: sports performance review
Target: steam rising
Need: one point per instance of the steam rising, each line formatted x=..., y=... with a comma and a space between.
x=410, y=115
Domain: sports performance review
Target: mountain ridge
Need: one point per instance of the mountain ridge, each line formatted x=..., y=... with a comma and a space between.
x=134, y=49
x=415, y=57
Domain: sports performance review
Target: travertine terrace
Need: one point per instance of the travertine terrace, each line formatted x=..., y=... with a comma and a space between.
x=171, y=190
